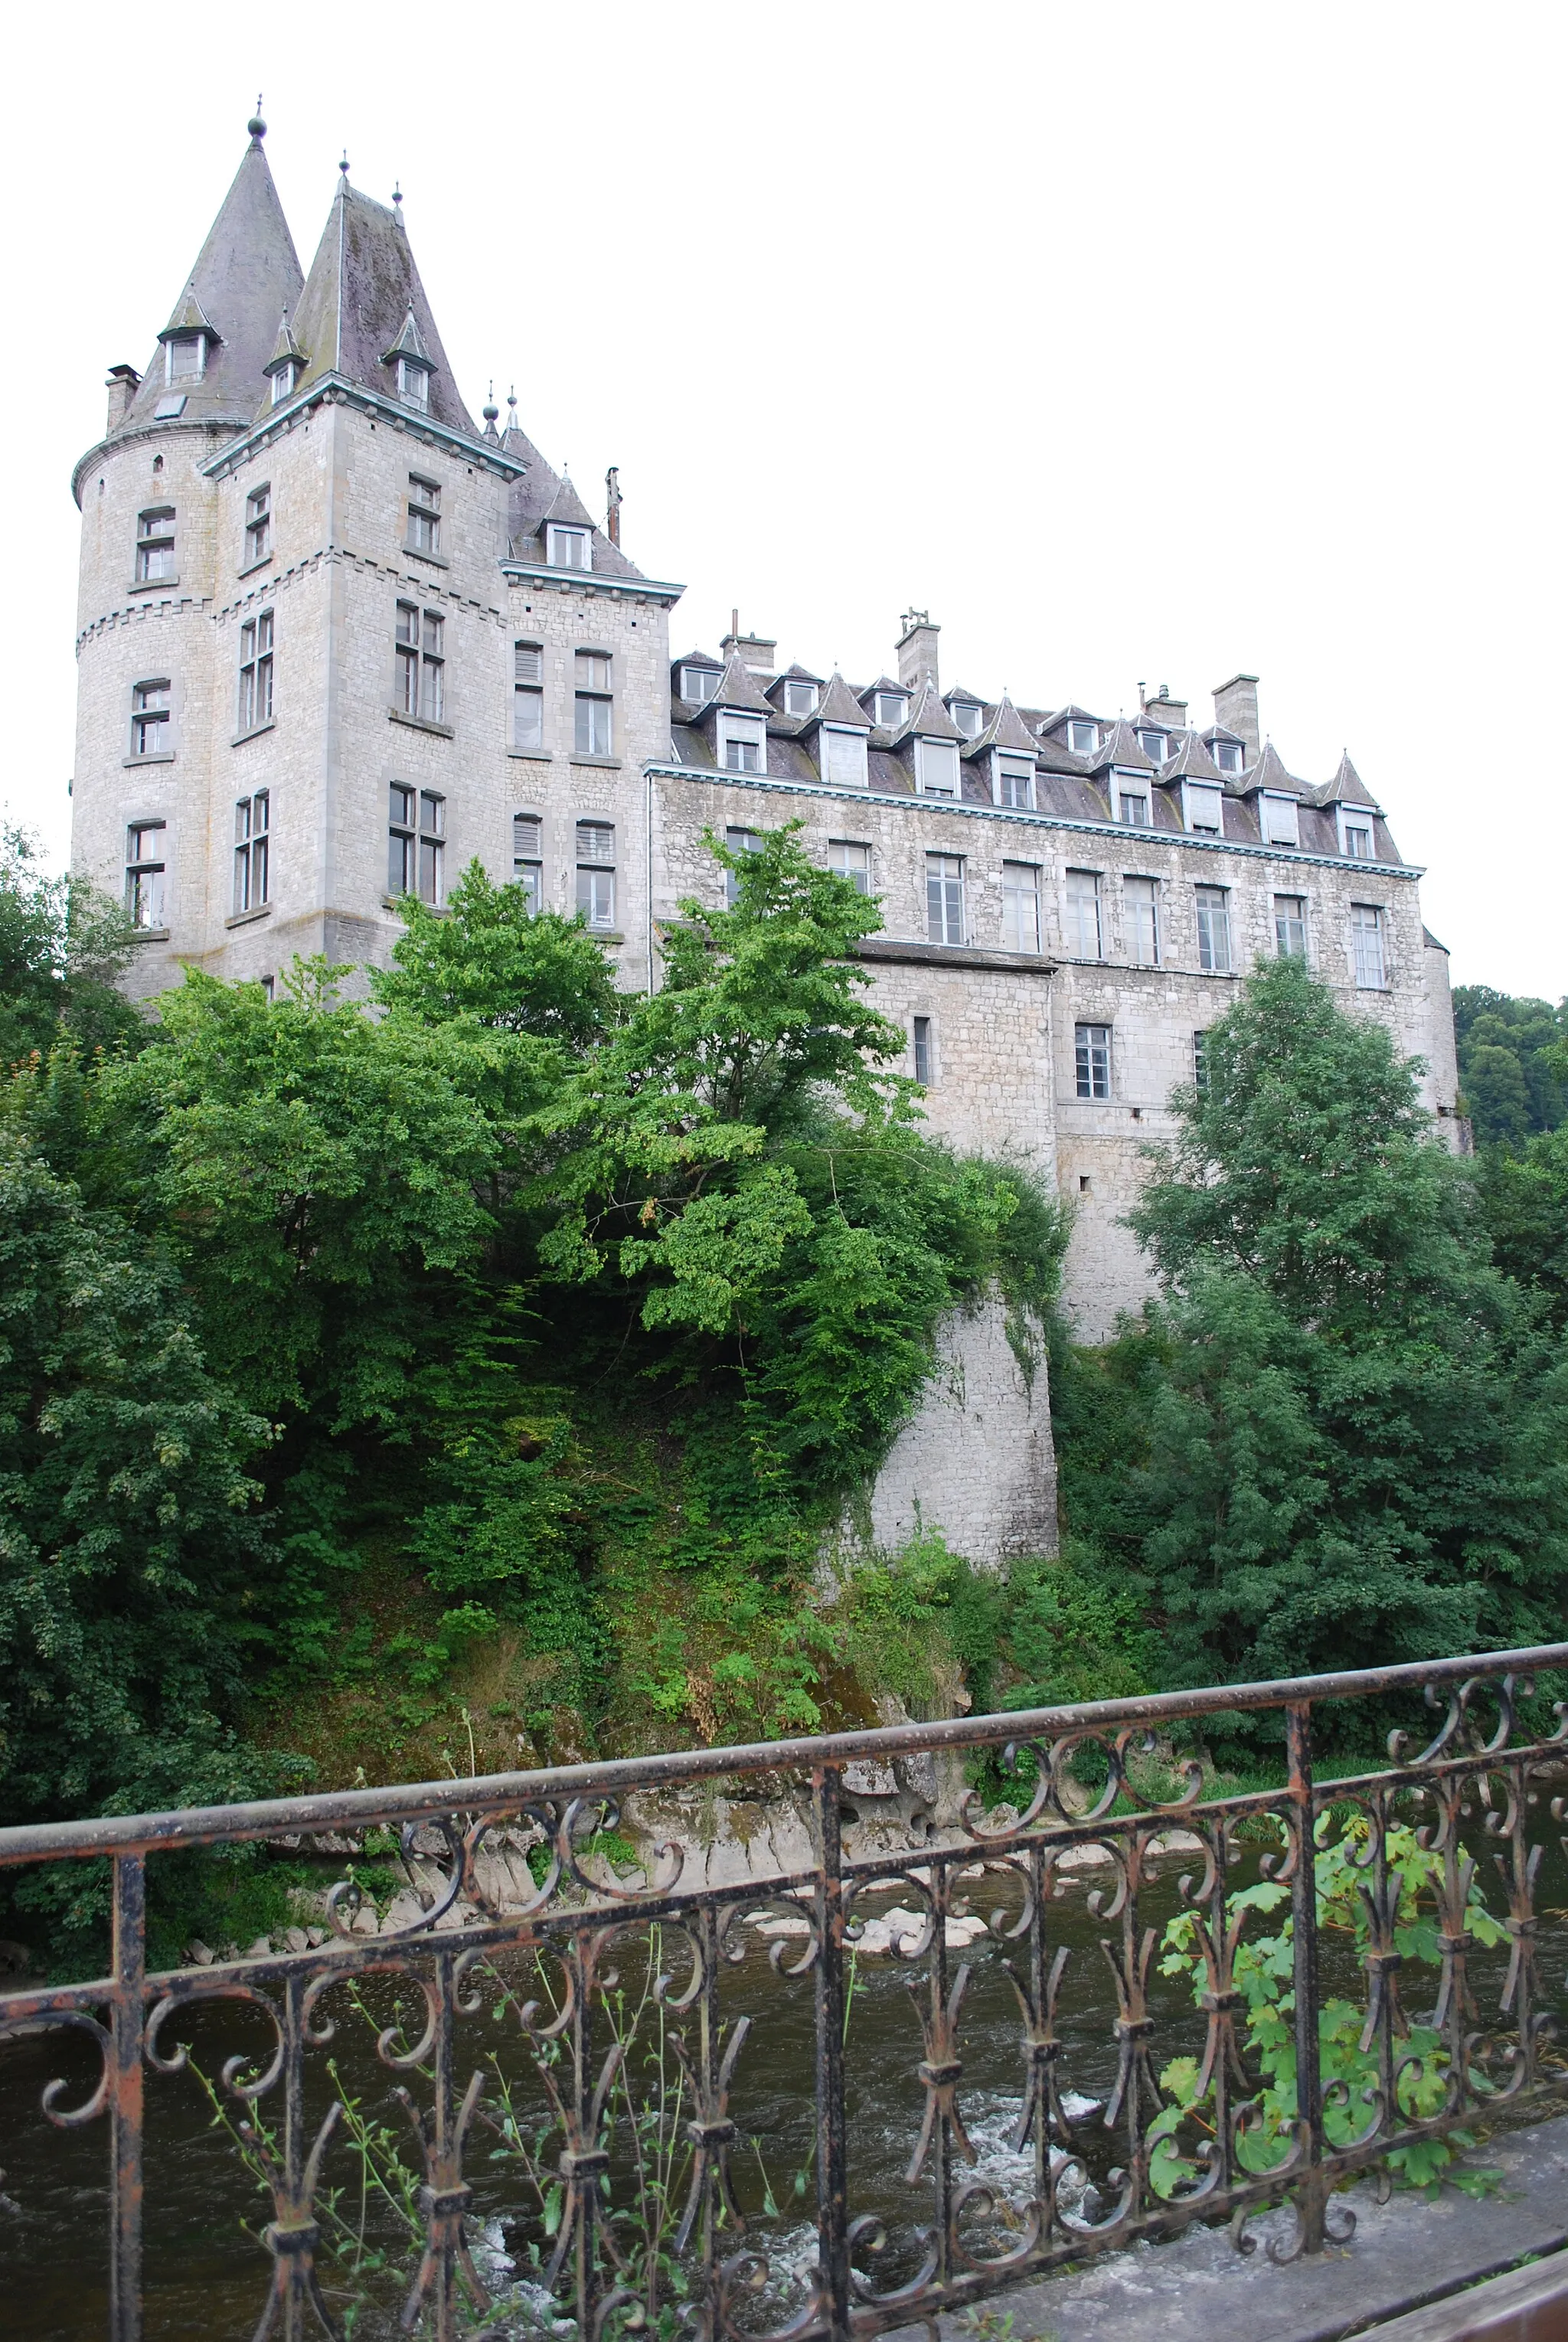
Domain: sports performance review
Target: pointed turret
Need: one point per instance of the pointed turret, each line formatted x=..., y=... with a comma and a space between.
x=838, y=704
x=363, y=314
x=1006, y=730
x=1122, y=748
x=566, y=507
x=212, y=355
x=1347, y=787
x=1269, y=773
x=928, y=719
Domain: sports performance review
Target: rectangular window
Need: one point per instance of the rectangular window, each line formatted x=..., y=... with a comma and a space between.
x=145, y=868
x=1083, y=738
x=1084, y=914
x=596, y=872
x=255, y=672
x=1357, y=839
x=413, y=384
x=936, y=767
x=528, y=697
x=423, y=514
x=1020, y=906
x=187, y=357
x=156, y=544
x=739, y=841
x=944, y=897
x=892, y=707
x=568, y=548
x=1282, y=821
x=1367, y=938
x=969, y=717
x=851, y=861
x=698, y=683
x=528, y=859
x=594, y=732
x=252, y=824
x=843, y=755
x=742, y=740
x=421, y=662
x=1016, y=783
x=1227, y=755
x=1213, y=929
x=1205, y=810
x=800, y=699
x=1131, y=800
x=1290, y=926
x=1153, y=744
x=416, y=842
x=258, y=525
x=922, y=1037
x=1091, y=1060
x=1200, y=1062
x=151, y=730
x=283, y=382
x=1142, y=896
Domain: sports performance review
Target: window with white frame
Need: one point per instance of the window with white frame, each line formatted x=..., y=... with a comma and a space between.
x=1020, y=906
x=936, y=767
x=1290, y=926
x=1082, y=924
x=185, y=358
x=528, y=697
x=423, y=514
x=924, y=1056
x=1083, y=737
x=799, y=696
x=1355, y=836
x=528, y=859
x=1153, y=745
x=594, y=720
x=743, y=744
x=596, y=873
x=258, y=525
x=152, y=718
x=1202, y=810
x=568, y=548
x=1014, y=783
x=1091, y=1060
x=416, y=842
x=421, y=663
x=1282, y=820
x=739, y=841
x=698, y=684
x=1213, y=906
x=1227, y=754
x=843, y=759
x=892, y=707
x=1130, y=799
x=969, y=716
x=146, y=867
x=1142, y=896
x=154, y=543
x=1366, y=936
x=283, y=380
x=256, y=698
x=944, y=897
x=413, y=384
x=850, y=859
x=253, y=828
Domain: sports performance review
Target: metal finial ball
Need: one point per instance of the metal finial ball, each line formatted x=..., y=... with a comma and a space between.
x=343, y=167
x=397, y=194
x=255, y=125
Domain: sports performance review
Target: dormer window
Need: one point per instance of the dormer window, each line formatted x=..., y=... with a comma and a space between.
x=568, y=548
x=969, y=716
x=1356, y=842
x=1281, y=820
x=1130, y=799
x=283, y=380
x=187, y=357
x=800, y=698
x=936, y=767
x=413, y=384
x=1227, y=755
x=1203, y=809
x=698, y=684
x=1083, y=737
x=1154, y=745
x=844, y=764
x=743, y=744
x=1013, y=781
x=892, y=707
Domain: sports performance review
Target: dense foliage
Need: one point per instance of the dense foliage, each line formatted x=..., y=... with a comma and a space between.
x=1510, y=1063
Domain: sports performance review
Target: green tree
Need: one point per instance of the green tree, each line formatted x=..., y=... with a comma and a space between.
x=63, y=946
x=1512, y=1081
x=486, y=956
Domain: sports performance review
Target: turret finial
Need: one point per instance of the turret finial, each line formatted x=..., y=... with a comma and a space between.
x=343, y=167
x=397, y=199
x=490, y=410
x=255, y=125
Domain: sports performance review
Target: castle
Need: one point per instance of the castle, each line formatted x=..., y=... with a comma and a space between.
x=335, y=640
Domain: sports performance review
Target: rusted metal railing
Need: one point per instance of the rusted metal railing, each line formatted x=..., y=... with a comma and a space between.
x=1478, y=1782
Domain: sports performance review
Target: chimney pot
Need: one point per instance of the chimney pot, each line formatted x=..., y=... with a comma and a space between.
x=758, y=654
x=1237, y=710
x=917, y=651
x=123, y=385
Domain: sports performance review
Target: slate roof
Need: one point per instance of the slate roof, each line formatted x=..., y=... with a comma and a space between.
x=566, y=507
x=838, y=704
x=285, y=350
x=245, y=274
x=362, y=290
x=1192, y=762
x=1347, y=787
x=1006, y=730
x=928, y=719
x=1268, y=773
x=544, y=493
x=1122, y=747
x=738, y=689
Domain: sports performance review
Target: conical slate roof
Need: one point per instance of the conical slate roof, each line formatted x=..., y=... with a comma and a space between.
x=838, y=704
x=361, y=293
x=929, y=718
x=1122, y=747
x=1269, y=773
x=1006, y=730
x=245, y=274
x=285, y=349
x=1192, y=762
x=566, y=506
x=1347, y=787
x=738, y=689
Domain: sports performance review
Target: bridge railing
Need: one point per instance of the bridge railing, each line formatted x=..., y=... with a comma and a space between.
x=523, y=1906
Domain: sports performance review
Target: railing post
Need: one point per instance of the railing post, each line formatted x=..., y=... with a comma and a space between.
x=1311, y=2196
x=126, y=2093
x=832, y=2175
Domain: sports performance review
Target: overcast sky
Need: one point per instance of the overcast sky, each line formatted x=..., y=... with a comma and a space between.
x=1134, y=342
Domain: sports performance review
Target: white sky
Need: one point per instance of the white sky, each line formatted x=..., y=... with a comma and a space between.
x=1132, y=340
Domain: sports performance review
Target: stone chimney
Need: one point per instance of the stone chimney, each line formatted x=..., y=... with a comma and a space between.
x=917, y=651
x=1237, y=710
x=758, y=653
x=1164, y=708
x=123, y=385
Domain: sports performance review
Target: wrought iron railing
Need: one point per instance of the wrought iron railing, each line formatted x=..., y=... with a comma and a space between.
x=518, y=1905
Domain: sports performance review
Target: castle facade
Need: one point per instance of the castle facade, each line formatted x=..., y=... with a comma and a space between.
x=335, y=640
